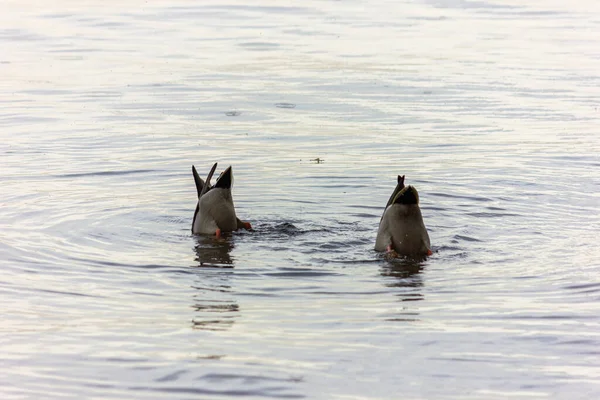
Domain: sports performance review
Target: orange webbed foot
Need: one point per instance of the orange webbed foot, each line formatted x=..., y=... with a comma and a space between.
x=218, y=233
x=247, y=226
x=390, y=252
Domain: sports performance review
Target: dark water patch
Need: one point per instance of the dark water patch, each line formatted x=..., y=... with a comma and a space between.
x=458, y=254
x=99, y=385
x=527, y=277
x=136, y=266
x=276, y=248
x=246, y=379
x=433, y=208
x=453, y=196
x=402, y=320
x=546, y=339
x=585, y=288
x=354, y=242
x=220, y=289
x=378, y=208
x=295, y=200
x=466, y=238
x=155, y=294
x=362, y=261
x=364, y=215
x=62, y=292
x=270, y=392
x=213, y=253
x=213, y=266
x=492, y=215
x=211, y=357
x=107, y=173
x=300, y=287
x=284, y=230
x=285, y=105
x=587, y=342
x=543, y=317
x=411, y=296
x=495, y=208
x=460, y=359
x=212, y=325
x=229, y=307
x=215, y=318
x=300, y=274
x=126, y=360
x=327, y=246
x=402, y=268
x=257, y=294
x=172, y=376
x=348, y=293
x=233, y=113
x=143, y=368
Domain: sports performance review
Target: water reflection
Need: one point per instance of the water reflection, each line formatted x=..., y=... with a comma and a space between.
x=406, y=271
x=213, y=253
x=214, y=315
x=404, y=276
x=214, y=302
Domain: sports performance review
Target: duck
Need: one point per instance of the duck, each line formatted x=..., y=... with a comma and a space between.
x=402, y=231
x=215, y=212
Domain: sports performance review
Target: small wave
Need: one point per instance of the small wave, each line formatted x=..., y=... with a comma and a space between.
x=492, y=215
x=285, y=105
x=466, y=238
x=585, y=288
x=453, y=196
x=173, y=376
x=66, y=293
x=300, y=273
x=106, y=173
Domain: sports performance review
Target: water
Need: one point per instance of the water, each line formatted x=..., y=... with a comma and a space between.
x=489, y=108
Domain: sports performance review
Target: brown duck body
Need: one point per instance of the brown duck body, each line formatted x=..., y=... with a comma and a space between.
x=215, y=212
x=401, y=228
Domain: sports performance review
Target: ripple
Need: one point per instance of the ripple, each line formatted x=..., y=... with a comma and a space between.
x=106, y=294
x=585, y=288
x=274, y=392
x=259, y=46
x=454, y=196
x=106, y=173
x=492, y=215
x=173, y=376
x=300, y=273
x=466, y=238
x=285, y=105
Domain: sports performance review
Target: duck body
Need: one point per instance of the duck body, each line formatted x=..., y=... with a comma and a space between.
x=215, y=212
x=401, y=228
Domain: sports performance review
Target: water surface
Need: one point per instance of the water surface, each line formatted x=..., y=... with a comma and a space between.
x=489, y=108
